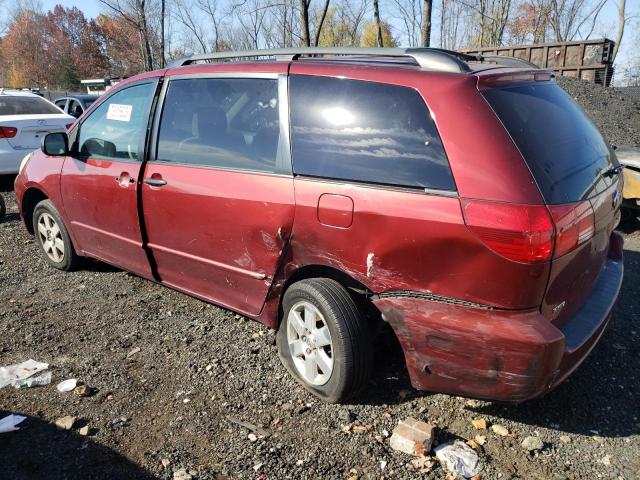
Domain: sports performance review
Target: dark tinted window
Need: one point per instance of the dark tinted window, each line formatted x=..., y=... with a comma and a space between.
x=116, y=128
x=26, y=106
x=564, y=150
x=368, y=132
x=229, y=123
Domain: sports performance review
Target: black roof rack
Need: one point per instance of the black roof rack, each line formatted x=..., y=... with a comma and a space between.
x=427, y=58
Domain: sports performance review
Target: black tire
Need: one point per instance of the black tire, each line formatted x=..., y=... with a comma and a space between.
x=351, y=345
x=69, y=259
x=3, y=207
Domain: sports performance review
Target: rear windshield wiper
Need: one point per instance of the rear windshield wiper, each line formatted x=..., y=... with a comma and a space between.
x=613, y=171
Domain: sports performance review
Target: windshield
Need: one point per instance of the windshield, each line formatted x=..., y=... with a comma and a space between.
x=26, y=106
x=563, y=148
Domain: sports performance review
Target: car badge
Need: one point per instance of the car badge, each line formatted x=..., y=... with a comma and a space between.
x=41, y=122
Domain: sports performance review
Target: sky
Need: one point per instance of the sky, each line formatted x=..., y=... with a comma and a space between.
x=607, y=21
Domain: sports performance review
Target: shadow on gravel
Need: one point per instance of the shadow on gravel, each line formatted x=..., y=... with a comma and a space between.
x=6, y=183
x=40, y=451
x=602, y=397
x=629, y=222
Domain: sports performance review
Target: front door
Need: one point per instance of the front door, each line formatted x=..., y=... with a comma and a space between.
x=218, y=200
x=99, y=181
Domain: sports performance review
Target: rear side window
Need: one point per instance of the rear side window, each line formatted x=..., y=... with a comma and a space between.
x=564, y=150
x=26, y=106
x=365, y=132
x=228, y=123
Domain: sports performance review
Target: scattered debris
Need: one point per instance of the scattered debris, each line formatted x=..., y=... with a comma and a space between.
x=473, y=403
x=565, y=438
x=353, y=427
x=458, y=458
x=65, y=423
x=119, y=421
x=12, y=374
x=165, y=462
x=133, y=352
x=412, y=436
x=500, y=430
x=250, y=426
x=182, y=474
x=83, y=391
x=422, y=464
x=257, y=466
x=252, y=437
x=383, y=464
x=84, y=431
x=67, y=385
x=480, y=439
x=10, y=423
x=532, y=444
x=606, y=460
x=34, y=381
x=479, y=423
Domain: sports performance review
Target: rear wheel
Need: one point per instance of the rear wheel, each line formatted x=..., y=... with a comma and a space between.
x=53, y=238
x=3, y=207
x=323, y=339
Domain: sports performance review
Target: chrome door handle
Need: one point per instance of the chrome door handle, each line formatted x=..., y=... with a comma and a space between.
x=155, y=182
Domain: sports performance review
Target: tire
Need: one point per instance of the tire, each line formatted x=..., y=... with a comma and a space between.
x=3, y=207
x=343, y=367
x=52, y=236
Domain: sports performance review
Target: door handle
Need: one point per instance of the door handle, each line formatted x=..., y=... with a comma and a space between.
x=124, y=179
x=155, y=182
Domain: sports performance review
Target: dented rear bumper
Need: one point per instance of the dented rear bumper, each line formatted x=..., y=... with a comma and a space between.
x=497, y=354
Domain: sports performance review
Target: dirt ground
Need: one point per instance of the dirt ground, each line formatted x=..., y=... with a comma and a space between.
x=198, y=366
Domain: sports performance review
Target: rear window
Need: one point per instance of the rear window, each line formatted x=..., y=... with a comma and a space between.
x=26, y=106
x=564, y=150
x=365, y=132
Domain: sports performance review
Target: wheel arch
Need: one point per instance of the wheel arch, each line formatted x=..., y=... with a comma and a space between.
x=32, y=196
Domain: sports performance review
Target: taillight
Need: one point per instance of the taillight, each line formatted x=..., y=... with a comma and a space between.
x=8, y=132
x=574, y=225
x=68, y=126
x=522, y=233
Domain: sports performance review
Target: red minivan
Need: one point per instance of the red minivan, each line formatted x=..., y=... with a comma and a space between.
x=466, y=201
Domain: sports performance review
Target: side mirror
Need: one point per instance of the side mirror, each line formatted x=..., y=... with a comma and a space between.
x=55, y=144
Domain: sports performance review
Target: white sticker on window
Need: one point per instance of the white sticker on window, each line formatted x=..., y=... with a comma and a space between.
x=119, y=112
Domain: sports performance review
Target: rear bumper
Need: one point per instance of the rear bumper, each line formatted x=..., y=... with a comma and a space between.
x=10, y=159
x=497, y=354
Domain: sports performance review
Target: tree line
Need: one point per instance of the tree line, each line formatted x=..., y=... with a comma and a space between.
x=55, y=49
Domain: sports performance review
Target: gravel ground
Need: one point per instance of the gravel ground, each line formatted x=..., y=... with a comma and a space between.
x=178, y=369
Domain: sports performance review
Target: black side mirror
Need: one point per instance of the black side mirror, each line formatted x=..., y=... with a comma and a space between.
x=55, y=144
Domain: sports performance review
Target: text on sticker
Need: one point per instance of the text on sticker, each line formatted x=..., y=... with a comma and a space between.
x=119, y=112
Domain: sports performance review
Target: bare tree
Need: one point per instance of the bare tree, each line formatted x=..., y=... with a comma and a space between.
x=425, y=31
x=135, y=12
x=376, y=15
x=621, y=22
x=409, y=14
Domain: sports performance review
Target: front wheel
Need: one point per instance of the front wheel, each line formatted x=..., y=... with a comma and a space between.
x=53, y=238
x=323, y=339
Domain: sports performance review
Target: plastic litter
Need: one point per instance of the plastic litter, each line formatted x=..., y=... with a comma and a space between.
x=34, y=381
x=10, y=423
x=67, y=385
x=12, y=374
x=459, y=458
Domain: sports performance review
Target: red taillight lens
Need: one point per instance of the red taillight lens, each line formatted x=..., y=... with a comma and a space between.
x=523, y=233
x=68, y=126
x=8, y=132
x=574, y=225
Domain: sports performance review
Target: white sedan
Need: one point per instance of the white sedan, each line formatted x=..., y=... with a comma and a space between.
x=24, y=119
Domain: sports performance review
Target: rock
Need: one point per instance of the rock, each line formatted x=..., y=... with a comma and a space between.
x=606, y=460
x=182, y=474
x=65, y=423
x=84, y=431
x=252, y=437
x=480, y=439
x=133, y=352
x=119, y=421
x=165, y=462
x=82, y=391
x=532, y=444
x=479, y=423
x=500, y=430
x=412, y=436
x=565, y=438
x=346, y=416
